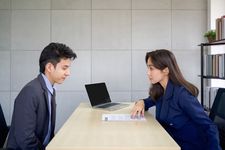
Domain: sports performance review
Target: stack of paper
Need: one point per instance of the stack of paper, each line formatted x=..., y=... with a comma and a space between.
x=121, y=117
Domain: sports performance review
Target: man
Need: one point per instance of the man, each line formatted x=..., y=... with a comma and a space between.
x=33, y=120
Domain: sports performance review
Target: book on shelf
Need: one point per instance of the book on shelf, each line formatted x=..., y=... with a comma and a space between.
x=214, y=65
x=221, y=66
x=209, y=97
x=220, y=28
x=223, y=27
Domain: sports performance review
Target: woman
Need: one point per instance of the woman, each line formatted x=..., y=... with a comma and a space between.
x=177, y=107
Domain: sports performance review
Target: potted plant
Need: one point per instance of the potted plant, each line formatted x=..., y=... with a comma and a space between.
x=210, y=35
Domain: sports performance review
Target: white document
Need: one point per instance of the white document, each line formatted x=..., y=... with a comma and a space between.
x=121, y=117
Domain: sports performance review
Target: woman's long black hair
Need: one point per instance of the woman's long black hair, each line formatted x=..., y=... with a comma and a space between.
x=161, y=59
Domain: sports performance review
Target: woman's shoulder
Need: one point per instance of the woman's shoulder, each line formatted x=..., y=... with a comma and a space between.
x=180, y=90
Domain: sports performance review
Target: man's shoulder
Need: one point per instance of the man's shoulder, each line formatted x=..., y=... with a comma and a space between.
x=30, y=92
x=33, y=85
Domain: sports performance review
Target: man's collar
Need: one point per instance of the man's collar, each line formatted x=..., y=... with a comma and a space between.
x=48, y=83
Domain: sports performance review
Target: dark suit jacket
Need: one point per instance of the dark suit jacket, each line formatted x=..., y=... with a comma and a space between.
x=30, y=118
x=184, y=119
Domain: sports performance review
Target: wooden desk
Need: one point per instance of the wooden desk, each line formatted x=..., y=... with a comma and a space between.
x=85, y=130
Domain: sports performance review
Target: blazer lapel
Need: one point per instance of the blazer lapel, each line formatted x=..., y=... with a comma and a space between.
x=166, y=100
x=53, y=104
x=40, y=78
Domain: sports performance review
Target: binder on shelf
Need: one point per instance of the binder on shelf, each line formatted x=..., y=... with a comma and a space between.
x=223, y=65
x=209, y=97
x=206, y=98
x=214, y=65
x=220, y=65
x=220, y=28
x=223, y=27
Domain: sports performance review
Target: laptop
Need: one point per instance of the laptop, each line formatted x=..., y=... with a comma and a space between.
x=99, y=97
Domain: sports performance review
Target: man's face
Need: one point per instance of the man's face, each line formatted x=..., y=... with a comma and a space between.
x=59, y=73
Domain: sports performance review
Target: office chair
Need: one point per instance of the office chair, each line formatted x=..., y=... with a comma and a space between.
x=4, y=129
x=217, y=114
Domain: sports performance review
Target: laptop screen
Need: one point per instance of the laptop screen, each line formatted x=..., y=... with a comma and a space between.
x=97, y=93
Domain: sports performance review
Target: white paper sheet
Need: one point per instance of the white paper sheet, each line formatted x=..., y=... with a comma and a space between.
x=121, y=117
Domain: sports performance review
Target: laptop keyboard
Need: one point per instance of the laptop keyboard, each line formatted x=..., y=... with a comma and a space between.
x=108, y=105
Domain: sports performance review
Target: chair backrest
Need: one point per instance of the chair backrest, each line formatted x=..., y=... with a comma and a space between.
x=217, y=114
x=3, y=128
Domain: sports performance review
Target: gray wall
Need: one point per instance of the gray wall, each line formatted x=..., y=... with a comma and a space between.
x=110, y=37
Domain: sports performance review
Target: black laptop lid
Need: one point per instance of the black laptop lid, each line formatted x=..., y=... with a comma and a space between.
x=97, y=93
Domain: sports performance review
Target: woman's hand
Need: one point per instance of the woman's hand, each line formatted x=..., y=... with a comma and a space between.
x=138, y=109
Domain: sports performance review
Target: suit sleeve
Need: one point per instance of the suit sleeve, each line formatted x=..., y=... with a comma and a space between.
x=191, y=106
x=148, y=103
x=25, y=120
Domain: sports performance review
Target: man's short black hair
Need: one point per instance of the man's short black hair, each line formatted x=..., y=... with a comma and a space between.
x=53, y=53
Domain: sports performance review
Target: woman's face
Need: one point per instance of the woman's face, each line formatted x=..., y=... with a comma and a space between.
x=156, y=75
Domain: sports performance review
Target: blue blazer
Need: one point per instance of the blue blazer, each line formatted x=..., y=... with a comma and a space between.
x=183, y=117
x=30, y=119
